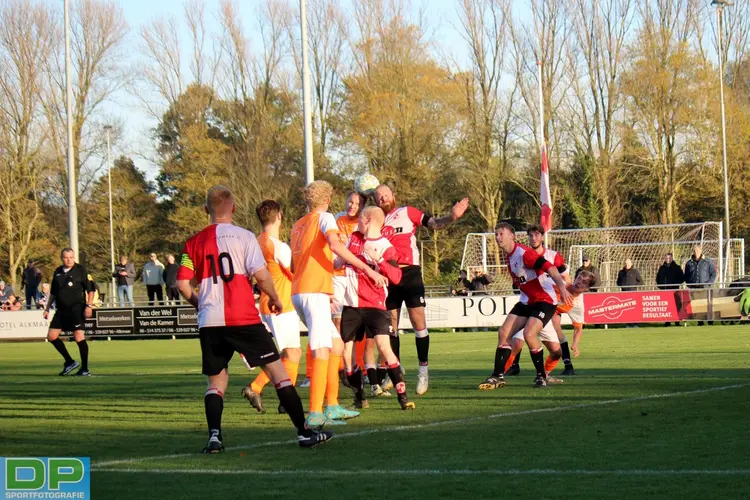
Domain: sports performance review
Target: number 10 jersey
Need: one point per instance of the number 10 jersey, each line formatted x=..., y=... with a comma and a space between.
x=222, y=259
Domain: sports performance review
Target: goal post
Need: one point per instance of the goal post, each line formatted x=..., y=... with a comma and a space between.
x=609, y=247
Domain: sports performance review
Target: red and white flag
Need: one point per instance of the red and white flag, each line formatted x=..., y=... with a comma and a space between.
x=546, y=218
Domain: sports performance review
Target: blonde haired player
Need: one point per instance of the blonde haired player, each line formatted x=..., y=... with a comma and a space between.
x=346, y=222
x=284, y=326
x=315, y=238
x=364, y=313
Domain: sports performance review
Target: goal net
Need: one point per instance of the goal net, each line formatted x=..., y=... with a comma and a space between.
x=609, y=247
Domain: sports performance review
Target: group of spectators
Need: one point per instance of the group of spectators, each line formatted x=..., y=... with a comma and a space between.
x=476, y=286
x=699, y=272
x=31, y=279
x=155, y=276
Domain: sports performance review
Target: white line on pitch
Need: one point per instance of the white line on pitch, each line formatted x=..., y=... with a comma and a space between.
x=439, y=423
x=440, y=472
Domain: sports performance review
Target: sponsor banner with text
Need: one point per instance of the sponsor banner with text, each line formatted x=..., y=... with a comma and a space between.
x=637, y=307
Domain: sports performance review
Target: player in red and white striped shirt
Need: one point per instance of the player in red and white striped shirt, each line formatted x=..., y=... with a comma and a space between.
x=221, y=260
x=401, y=229
x=364, y=312
x=535, y=277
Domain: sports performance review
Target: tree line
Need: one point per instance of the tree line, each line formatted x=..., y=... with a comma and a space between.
x=630, y=91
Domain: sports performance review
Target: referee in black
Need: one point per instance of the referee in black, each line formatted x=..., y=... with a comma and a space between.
x=74, y=295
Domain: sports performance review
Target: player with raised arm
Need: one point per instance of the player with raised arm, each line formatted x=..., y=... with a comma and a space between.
x=401, y=228
x=284, y=326
x=220, y=260
x=364, y=313
x=315, y=238
x=535, y=276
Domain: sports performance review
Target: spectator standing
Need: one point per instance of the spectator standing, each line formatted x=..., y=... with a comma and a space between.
x=30, y=280
x=153, y=277
x=629, y=278
x=125, y=275
x=700, y=272
x=588, y=266
x=462, y=285
x=670, y=275
x=170, y=279
x=41, y=303
x=5, y=292
x=479, y=283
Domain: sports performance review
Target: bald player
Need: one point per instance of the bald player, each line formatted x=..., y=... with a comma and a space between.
x=400, y=228
x=221, y=260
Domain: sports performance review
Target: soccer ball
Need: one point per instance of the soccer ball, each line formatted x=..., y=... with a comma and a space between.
x=366, y=184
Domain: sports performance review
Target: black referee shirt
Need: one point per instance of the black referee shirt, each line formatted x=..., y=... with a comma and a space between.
x=70, y=288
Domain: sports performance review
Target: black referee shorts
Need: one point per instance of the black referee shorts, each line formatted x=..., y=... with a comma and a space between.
x=219, y=343
x=543, y=311
x=69, y=319
x=356, y=322
x=410, y=291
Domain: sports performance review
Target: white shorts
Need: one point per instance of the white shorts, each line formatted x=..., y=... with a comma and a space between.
x=548, y=334
x=314, y=309
x=339, y=291
x=285, y=329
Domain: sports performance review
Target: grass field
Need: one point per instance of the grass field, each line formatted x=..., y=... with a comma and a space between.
x=653, y=411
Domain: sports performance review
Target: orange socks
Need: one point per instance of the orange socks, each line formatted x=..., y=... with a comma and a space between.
x=332, y=387
x=292, y=369
x=509, y=363
x=318, y=379
x=308, y=363
x=260, y=382
x=550, y=364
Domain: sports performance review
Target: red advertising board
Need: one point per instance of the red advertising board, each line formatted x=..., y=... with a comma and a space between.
x=636, y=307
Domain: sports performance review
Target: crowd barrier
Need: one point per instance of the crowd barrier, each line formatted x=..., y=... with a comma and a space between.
x=444, y=312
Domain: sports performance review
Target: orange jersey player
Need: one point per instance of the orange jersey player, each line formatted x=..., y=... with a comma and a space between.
x=315, y=238
x=283, y=326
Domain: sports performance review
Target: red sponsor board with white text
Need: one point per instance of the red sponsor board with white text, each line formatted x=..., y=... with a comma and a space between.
x=636, y=307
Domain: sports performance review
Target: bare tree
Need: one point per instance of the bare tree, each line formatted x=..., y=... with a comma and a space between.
x=665, y=85
x=486, y=105
x=98, y=29
x=26, y=44
x=596, y=57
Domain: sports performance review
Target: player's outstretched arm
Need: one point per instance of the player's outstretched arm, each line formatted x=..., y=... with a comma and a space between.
x=577, y=334
x=265, y=283
x=458, y=211
x=186, y=290
x=339, y=249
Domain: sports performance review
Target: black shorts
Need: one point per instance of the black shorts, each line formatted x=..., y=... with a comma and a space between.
x=542, y=311
x=409, y=292
x=69, y=319
x=356, y=322
x=219, y=343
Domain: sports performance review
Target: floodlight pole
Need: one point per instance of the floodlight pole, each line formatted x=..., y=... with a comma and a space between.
x=72, y=186
x=107, y=129
x=306, y=106
x=720, y=4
